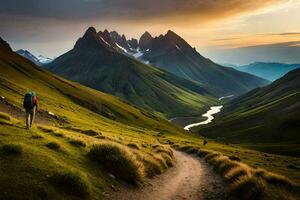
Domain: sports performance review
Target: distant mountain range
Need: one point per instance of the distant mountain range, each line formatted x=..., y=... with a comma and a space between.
x=39, y=60
x=100, y=60
x=265, y=115
x=269, y=71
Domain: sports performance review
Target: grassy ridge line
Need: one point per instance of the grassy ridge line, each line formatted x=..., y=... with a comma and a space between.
x=244, y=181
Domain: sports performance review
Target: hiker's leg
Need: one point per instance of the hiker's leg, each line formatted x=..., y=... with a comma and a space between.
x=27, y=121
x=32, y=116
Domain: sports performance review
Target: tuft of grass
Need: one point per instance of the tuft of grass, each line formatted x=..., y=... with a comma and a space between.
x=11, y=149
x=235, y=158
x=117, y=160
x=248, y=187
x=71, y=182
x=53, y=146
x=37, y=136
x=77, y=143
x=57, y=134
x=152, y=166
x=90, y=132
x=246, y=182
x=5, y=116
x=45, y=129
x=133, y=146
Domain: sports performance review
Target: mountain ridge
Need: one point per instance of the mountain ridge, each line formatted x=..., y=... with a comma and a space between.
x=97, y=64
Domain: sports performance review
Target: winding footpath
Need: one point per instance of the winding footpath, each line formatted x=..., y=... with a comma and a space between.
x=191, y=179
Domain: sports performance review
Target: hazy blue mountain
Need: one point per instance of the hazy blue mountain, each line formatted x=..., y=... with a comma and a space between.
x=269, y=71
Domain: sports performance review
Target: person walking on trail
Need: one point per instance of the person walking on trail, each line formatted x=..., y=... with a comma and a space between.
x=31, y=107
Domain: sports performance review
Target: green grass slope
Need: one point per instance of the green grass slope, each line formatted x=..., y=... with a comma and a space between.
x=98, y=65
x=53, y=161
x=268, y=115
x=94, y=141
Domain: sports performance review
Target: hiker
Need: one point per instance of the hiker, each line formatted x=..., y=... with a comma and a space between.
x=31, y=106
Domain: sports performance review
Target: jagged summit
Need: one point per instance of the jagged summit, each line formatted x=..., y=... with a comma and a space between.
x=145, y=41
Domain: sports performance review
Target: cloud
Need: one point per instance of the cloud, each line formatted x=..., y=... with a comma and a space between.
x=288, y=34
x=131, y=9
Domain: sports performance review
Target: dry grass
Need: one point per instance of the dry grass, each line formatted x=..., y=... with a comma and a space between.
x=77, y=143
x=119, y=161
x=244, y=181
x=5, y=116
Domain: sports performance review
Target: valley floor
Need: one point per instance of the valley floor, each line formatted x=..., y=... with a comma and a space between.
x=191, y=178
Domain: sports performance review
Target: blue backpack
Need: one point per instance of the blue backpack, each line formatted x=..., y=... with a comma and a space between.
x=28, y=100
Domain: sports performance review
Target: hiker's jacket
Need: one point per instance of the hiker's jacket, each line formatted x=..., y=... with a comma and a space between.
x=35, y=102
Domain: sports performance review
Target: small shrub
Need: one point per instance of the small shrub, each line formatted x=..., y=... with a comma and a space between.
x=77, y=143
x=274, y=179
x=235, y=158
x=235, y=174
x=133, y=146
x=211, y=155
x=70, y=182
x=100, y=137
x=163, y=150
x=11, y=149
x=118, y=161
x=53, y=146
x=203, y=153
x=90, y=132
x=36, y=137
x=46, y=130
x=57, y=134
x=248, y=188
x=152, y=167
x=5, y=116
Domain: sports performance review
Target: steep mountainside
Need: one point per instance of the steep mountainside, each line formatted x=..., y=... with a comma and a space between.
x=269, y=71
x=174, y=54
x=267, y=115
x=96, y=62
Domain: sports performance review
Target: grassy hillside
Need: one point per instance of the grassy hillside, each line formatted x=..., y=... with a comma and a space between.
x=93, y=141
x=68, y=150
x=268, y=115
x=97, y=64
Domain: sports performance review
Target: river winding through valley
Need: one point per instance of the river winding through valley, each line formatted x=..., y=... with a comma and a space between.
x=209, y=114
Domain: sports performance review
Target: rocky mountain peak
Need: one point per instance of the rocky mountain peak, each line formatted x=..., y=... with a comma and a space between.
x=145, y=41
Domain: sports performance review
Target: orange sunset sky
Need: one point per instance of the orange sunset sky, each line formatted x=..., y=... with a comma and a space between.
x=52, y=27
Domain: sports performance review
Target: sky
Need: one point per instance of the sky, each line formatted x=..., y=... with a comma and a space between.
x=212, y=26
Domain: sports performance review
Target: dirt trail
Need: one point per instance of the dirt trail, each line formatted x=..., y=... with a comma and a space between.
x=191, y=179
